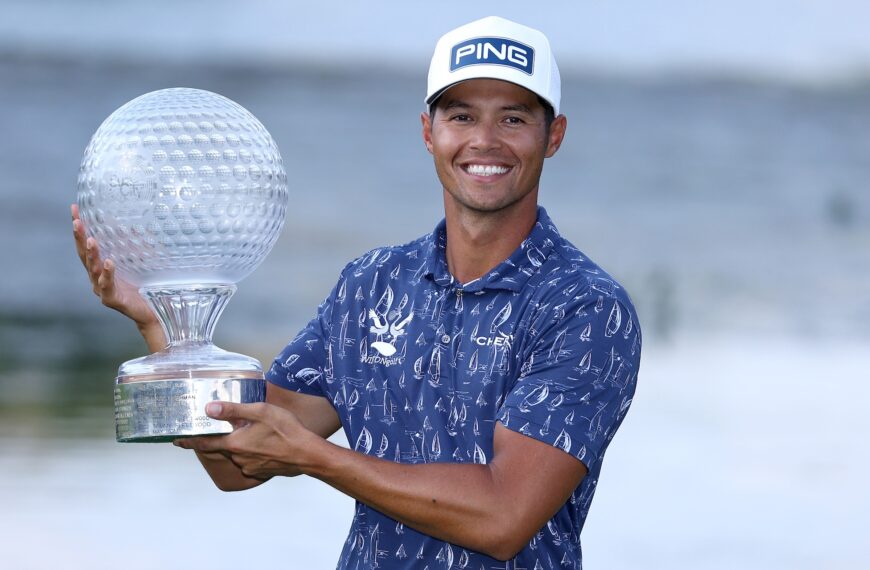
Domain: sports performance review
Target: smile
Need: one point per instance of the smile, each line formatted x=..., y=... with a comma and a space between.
x=485, y=170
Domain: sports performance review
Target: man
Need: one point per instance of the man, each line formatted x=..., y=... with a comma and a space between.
x=478, y=372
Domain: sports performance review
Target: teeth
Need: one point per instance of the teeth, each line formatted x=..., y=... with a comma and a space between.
x=481, y=170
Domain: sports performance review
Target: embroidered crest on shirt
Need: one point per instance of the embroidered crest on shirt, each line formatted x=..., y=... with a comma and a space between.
x=386, y=334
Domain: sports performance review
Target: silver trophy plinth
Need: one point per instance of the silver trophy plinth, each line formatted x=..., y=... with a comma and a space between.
x=186, y=191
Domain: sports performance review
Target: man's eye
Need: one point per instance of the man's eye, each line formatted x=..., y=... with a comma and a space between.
x=514, y=121
x=460, y=118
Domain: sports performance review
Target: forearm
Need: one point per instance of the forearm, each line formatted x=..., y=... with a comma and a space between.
x=465, y=504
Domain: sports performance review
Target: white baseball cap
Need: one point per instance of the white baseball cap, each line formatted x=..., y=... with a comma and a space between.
x=495, y=48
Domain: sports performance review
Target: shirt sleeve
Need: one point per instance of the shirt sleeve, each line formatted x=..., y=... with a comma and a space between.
x=578, y=377
x=304, y=364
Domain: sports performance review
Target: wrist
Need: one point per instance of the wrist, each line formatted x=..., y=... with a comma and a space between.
x=317, y=456
x=152, y=332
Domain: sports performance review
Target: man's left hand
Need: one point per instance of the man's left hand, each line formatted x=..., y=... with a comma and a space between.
x=266, y=440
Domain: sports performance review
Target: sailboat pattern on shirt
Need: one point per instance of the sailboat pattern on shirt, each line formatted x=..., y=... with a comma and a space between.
x=420, y=368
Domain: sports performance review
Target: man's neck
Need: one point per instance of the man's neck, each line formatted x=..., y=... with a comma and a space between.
x=479, y=242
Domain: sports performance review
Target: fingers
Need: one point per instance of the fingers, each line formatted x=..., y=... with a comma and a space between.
x=203, y=444
x=93, y=264
x=78, y=232
x=240, y=414
x=106, y=280
x=87, y=249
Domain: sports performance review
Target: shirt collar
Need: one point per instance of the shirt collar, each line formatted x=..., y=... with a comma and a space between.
x=511, y=274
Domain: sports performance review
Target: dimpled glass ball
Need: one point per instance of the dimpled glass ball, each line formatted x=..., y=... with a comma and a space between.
x=182, y=186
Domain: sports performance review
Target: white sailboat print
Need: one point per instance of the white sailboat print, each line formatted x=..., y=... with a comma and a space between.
x=585, y=363
x=385, y=444
x=479, y=455
x=556, y=348
x=385, y=302
x=563, y=441
x=436, y=448
x=629, y=326
x=536, y=257
x=614, y=321
x=534, y=398
x=388, y=418
x=353, y=399
x=545, y=429
x=374, y=286
x=472, y=363
x=481, y=401
x=599, y=305
x=342, y=292
x=501, y=318
x=342, y=334
x=553, y=404
x=291, y=360
x=435, y=367
x=586, y=335
x=403, y=302
x=364, y=441
x=329, y=371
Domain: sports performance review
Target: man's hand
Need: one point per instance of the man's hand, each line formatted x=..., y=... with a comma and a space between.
x=266, y=440
x=113, y=292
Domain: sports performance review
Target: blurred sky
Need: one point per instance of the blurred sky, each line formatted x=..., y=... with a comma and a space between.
x=803, y=39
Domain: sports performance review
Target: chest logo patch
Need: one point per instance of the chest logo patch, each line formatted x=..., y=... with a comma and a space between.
x=387, y=333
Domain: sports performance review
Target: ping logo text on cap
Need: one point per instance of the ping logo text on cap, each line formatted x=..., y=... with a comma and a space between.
x=494, y=51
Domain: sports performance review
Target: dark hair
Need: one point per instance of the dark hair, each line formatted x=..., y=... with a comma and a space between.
x=549, y=112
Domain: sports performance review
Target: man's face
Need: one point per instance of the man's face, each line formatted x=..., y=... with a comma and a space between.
x=489, y=140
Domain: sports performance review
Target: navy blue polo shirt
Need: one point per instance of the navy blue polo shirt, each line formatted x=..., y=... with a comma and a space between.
x=420, y=367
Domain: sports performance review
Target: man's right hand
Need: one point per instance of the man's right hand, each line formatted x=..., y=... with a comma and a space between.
x=114, y=292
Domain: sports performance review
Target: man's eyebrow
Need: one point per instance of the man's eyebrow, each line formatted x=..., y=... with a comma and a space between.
x=519, y=107
x=459, y=104
x=456, y=104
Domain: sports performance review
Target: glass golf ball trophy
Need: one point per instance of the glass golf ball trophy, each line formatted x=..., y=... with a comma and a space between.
x=186, y=192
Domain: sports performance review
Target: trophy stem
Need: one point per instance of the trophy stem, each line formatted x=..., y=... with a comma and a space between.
x=188, y=313
x=162, y=396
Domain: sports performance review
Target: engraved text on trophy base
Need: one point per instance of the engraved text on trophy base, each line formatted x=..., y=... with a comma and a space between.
x=161, y=409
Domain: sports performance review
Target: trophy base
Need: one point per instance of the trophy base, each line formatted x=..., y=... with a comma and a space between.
x=163, y=409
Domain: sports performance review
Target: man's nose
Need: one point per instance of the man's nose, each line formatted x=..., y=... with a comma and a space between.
x=485, y=136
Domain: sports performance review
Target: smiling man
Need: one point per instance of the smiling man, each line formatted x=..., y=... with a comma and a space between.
x=479, y=372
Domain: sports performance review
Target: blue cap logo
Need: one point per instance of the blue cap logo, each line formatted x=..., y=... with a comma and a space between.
x=493, y=51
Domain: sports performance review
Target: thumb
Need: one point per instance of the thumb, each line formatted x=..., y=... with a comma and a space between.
x=229, y=412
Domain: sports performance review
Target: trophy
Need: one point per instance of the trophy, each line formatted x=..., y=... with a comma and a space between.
x=186, y=191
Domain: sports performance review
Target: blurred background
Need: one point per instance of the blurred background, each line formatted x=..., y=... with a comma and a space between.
x=717, y=163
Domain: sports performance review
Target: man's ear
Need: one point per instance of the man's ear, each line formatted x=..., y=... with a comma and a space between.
x=557, y=135
x=427, y=130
